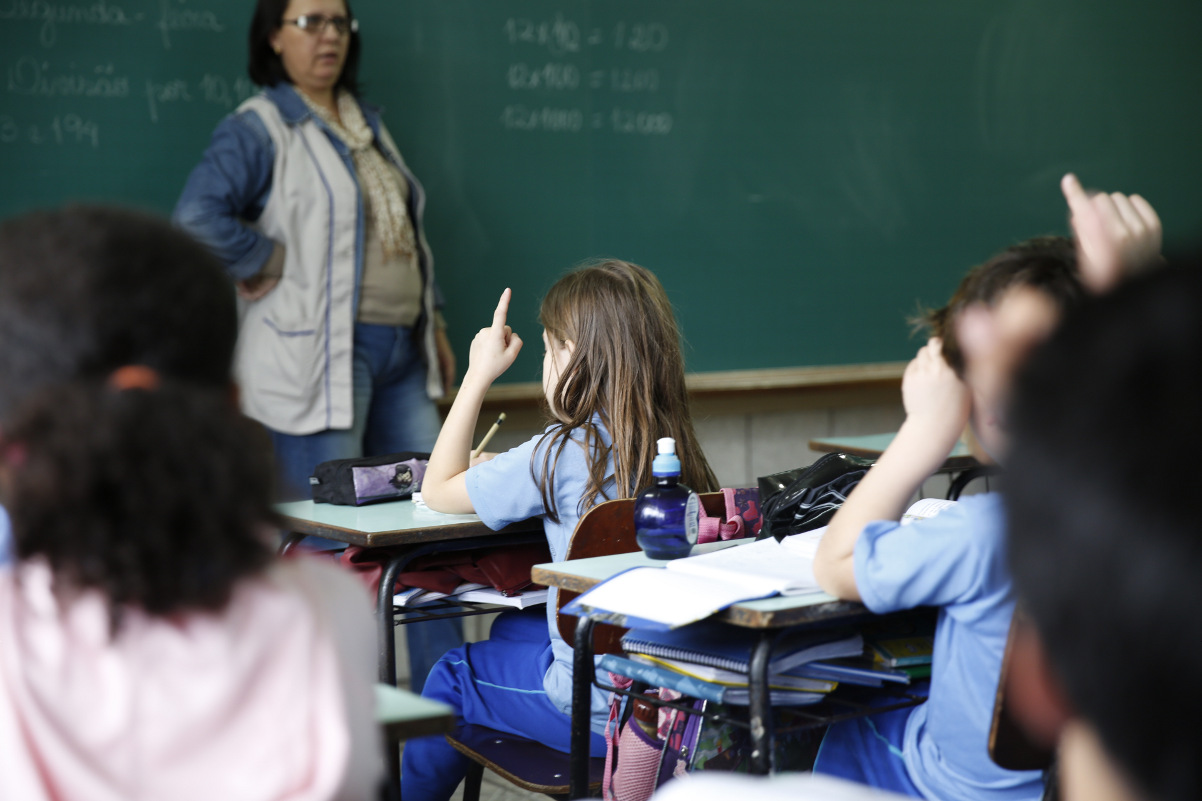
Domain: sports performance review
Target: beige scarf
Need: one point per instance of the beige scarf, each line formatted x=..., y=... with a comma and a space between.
x=388, y=211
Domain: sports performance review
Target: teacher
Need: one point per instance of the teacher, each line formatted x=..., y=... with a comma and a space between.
x=304, y=195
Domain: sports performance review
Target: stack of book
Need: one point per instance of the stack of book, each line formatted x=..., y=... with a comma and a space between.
x=471, y=592
x=712, y=661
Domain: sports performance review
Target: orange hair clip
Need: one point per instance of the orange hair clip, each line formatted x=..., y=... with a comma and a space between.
x=134, y=376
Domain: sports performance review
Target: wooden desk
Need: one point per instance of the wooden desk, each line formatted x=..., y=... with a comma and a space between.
x=409, y=531
x=766, y=615
x=402, y=714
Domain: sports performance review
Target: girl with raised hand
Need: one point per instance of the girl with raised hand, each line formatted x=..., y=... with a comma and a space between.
x=613, y=378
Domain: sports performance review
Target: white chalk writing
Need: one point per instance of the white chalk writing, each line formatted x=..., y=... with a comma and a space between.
x=51, y=15
x=184, y=19
x=63, y=129
x=36, y=78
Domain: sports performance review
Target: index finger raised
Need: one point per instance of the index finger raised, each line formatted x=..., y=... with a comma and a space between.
x=498, y=316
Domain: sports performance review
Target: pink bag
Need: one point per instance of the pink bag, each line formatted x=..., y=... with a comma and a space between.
x=635, y=762
x=742, y=517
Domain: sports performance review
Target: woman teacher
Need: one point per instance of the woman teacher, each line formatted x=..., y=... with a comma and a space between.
x=304, y=196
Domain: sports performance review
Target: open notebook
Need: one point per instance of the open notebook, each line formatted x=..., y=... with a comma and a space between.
x=695, y=587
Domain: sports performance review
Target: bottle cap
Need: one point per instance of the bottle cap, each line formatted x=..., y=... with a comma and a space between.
x=666, y=463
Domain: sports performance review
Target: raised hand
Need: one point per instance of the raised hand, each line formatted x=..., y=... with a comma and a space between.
x=934, y=396
x=1115, y=234
x=494, y=348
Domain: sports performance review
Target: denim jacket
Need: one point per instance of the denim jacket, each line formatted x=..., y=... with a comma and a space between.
x=273, y=173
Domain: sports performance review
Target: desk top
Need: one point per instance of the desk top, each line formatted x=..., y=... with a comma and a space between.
x=871, y=446
x=389, y=523
x=580, y=575
x=403, y=714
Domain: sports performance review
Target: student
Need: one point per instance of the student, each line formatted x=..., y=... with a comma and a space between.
x=954, y=561
x=613, y=376
x=1104, y=539
x=151, y=645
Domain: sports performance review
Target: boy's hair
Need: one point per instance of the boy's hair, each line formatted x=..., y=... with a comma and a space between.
x=1104, y=513
x=85, y=290
x=1047, y=263
x=160, y=499
x=628, y=369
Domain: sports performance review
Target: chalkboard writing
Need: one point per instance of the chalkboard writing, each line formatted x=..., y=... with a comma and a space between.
x=801, y=175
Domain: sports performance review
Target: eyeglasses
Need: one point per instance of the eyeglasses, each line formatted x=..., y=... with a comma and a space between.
x=316, y=23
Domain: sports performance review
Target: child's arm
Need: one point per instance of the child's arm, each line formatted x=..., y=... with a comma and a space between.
x=444, y=487
x=937, y=407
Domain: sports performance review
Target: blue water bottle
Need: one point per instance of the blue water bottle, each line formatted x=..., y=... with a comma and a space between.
x=666, y=515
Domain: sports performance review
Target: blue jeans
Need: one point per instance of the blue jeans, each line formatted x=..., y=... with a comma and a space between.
x=497, y=683
x=392, y=413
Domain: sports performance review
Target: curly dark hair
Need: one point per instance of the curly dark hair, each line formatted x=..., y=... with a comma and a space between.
x=1046, y=263
x=159, y=499
x=265, y=66
x=87, y=289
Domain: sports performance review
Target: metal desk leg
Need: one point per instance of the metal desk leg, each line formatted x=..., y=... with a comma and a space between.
x=290, y=542
x=760, y=707
x=582, y=683
x=386, y=641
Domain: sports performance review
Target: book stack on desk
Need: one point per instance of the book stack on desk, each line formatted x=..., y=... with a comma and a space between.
x=712, y=661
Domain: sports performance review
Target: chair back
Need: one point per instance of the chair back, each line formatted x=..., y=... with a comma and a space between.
x=1010, y=746
x=604, y=530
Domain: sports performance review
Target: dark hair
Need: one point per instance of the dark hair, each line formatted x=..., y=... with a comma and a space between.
x=1104, y=514
x=628, y=368
x=1047, y=263
x=159, y=499
x=265, y=66
x=84, y=290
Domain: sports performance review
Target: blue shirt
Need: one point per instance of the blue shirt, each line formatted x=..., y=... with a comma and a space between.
x=955, y=561
x=503, y=491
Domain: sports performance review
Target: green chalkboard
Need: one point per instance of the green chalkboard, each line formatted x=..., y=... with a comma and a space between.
x=800, y=174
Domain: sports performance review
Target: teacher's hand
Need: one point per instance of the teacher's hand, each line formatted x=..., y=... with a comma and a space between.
x=256, y=287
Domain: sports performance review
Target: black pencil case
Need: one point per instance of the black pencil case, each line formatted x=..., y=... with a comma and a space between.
x=368, y=479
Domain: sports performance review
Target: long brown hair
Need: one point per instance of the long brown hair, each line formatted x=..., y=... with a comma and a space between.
x=627, y=369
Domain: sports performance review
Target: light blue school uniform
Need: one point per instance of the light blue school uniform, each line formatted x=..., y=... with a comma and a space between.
x=520, y=679
x=955, y=561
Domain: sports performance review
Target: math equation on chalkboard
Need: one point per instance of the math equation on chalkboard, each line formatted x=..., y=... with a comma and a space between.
x=569, y=78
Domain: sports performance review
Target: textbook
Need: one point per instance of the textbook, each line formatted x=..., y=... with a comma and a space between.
x=732, y=678
x=471, y=592
x=658, y=676
x=689, y=589
x=853, y=670
x=729, y=648
x=899, y=652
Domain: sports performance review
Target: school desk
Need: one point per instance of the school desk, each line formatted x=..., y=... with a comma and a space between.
x=402, y=714
x=408, y=530
x=870, y=446
x=767, y=615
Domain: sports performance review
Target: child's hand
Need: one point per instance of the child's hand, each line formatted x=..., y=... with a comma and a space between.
x=494, y=348
x=1115, y=234
x=933, y=395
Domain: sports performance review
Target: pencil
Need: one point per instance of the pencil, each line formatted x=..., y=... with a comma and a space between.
x=489, y=435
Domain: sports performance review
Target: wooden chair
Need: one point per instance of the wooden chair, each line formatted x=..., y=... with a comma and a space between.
x=606, y=529
x=1010, y=745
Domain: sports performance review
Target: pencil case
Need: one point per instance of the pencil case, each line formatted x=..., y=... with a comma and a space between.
x=368, y=479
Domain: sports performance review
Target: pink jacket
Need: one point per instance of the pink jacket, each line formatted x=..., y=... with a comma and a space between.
x=271, y=699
